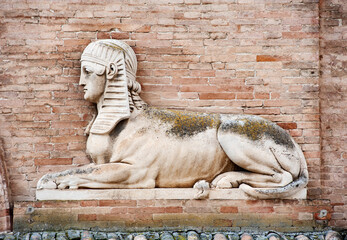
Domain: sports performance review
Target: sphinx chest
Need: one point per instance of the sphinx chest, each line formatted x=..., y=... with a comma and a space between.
x=99, y=148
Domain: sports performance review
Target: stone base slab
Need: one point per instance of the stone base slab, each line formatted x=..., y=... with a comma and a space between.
x=175, y=215
x=156, y=193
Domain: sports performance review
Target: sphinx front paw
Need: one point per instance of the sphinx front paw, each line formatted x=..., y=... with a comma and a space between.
x=71, y=182
x=47, y=182
x=54, y=181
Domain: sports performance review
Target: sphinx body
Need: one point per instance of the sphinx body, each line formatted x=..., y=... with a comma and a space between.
x=169, y=148
x=135, y=146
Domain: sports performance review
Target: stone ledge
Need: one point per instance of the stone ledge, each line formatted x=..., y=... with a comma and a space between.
x=156, y=193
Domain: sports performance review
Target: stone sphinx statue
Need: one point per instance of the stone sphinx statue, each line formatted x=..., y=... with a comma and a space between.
x=136, y=146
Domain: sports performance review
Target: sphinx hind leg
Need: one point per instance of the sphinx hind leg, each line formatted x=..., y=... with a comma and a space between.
x=234, y=179
x=110, y=175
x=261, y=165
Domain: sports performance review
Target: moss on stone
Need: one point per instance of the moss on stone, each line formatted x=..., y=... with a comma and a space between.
x=184, y=123
x=255, y=128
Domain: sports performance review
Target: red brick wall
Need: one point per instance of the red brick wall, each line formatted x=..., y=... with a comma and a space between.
x=333, y=97
x=245, y=56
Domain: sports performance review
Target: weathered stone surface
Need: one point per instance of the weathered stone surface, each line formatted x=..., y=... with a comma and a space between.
x=73, y=234
x=246, y=236
x=179, y=236
x=108, y=77
x=233, y=236
x=153, y=235
x=332, y=235
x=315, y=236
x=86, y=235
x=219, y=236
x=100, y=236
x=301, y=237
x=166, y=236
x=114, y=236
x=35, y=236
x=61, y=236
x=206, y=236
x=156, y=193
x=273, y=236
x=192, y=235
x=140, y=237
x=261, y=237
x=48, y=235
x=9, y=237
x=25, y=236
x=129, y=237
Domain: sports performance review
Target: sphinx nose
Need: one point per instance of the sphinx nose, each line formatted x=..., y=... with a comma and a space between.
x=82, y=81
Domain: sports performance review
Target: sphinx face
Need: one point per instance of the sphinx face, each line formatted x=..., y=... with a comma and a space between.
x=93, y=80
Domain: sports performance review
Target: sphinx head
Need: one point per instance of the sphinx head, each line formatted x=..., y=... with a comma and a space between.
x=108, y=77
x=93, y=80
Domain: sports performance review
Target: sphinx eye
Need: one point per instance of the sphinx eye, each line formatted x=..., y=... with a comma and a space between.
x=87, y=70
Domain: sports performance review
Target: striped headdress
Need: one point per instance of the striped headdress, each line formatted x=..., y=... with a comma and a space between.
x=117, y=102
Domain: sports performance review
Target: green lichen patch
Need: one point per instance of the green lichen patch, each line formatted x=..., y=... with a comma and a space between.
x=255, y=129
x=184, y=123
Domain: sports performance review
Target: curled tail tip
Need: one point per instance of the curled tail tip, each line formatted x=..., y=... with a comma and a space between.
x=256, y=193
x=294, y=190
x=274, y=193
